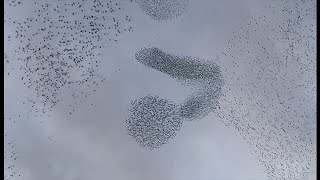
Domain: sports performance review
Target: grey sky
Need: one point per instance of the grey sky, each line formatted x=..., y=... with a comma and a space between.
x=92, y=142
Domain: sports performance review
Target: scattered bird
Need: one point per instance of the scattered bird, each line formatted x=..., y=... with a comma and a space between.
x=58, y=46
x=269, y=97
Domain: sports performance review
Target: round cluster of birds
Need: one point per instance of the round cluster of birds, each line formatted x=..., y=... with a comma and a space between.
x=202, y=75
x=163, y=9
x=59, y=45
x=153, y=121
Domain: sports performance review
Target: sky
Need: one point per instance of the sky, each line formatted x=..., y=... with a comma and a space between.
x=263, y=127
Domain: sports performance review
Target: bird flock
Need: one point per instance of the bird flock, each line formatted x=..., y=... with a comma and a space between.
x=10, y=158
x=269, y=95
x=58, y=46
x=11, y=171
x=269, y=75
x=153, y=121
x=264, y=86
x=161, y=10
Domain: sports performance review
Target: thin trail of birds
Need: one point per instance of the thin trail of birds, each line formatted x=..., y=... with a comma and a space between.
x=11, y=157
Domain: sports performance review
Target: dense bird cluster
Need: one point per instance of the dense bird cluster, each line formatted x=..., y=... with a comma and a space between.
x=204, y=76
x=153, y=121
x=269, y=95
x=181, y=68
x=163, y=9
x=59, y=45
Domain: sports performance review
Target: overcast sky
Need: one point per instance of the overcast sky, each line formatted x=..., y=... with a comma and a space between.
x=92, y=143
